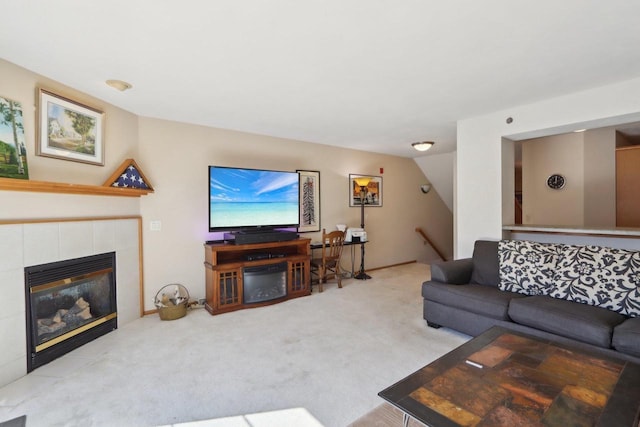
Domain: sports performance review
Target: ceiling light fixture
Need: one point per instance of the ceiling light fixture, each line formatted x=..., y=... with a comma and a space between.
x=119, y=85
x=422, y=146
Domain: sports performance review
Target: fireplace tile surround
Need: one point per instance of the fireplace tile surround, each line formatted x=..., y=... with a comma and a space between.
x=38, y=242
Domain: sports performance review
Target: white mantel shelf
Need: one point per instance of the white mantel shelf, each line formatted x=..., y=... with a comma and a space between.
x=8, y=184
x=587, y=231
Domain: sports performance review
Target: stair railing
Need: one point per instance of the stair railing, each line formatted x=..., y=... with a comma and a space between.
x=428, y=241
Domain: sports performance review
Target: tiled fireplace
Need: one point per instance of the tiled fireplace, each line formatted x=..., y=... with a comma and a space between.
x=35, y=243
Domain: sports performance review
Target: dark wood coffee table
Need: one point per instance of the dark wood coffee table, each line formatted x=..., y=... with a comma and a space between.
x=507, y=378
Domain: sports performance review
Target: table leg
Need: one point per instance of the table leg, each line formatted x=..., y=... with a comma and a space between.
x=353, y=260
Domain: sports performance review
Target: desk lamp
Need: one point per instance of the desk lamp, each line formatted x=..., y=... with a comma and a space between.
x=362, y=182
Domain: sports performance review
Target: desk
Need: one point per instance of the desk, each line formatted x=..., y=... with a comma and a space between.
x=318, y=245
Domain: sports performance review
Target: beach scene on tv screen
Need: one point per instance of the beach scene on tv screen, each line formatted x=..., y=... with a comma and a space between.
x=245, y=197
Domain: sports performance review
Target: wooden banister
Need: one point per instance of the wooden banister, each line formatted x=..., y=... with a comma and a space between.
x=518, y=212
x=428, y=241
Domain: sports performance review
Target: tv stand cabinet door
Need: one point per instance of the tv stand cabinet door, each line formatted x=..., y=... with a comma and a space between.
x=224, y=289
x=299, y=280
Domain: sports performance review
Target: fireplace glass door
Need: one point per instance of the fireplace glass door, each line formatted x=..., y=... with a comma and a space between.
x=68, y=304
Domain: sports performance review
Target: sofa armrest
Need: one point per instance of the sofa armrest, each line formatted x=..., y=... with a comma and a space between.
x=457, y=272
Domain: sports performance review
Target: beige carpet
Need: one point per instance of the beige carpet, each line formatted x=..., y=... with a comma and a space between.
x=329, y=353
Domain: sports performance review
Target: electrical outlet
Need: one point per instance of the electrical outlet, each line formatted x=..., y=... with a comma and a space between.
x=155, y=225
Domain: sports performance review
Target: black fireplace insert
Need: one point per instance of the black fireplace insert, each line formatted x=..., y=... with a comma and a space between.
x=264, y=283
x=68, y=303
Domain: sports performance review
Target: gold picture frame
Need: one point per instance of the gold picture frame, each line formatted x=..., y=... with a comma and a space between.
x=69, y=130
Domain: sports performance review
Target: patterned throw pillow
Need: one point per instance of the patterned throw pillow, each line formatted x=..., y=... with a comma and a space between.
x=527, y=267
x=604, y=277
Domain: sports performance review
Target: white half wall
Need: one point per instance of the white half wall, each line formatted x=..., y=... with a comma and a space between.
x=479, y=197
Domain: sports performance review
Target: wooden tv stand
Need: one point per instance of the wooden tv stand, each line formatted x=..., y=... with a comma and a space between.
x=224, y=264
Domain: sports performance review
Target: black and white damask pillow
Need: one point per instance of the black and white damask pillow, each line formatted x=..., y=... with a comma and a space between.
x=599, y=276
x=527, y=267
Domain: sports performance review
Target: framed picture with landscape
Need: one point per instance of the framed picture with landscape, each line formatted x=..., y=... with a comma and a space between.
x=69, y=130
x=309, y=201
x=13, y=152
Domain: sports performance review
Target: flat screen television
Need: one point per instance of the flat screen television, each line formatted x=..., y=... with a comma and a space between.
x=245, y=199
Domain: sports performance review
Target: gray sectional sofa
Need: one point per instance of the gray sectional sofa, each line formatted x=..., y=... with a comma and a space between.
x=586, y=296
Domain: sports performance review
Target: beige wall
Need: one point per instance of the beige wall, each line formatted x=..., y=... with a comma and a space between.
x=587, y=159
x=600, y=177
x=174, y=157
x=121, y=129
x=178, y=154
x=542, y=157
x=121, y=142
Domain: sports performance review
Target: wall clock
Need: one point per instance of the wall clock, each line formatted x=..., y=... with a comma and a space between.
x=556, y=181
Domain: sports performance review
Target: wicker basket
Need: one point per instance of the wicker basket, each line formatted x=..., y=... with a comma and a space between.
x=176, y=306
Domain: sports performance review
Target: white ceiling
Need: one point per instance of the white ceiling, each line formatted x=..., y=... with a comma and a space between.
x=374, y=75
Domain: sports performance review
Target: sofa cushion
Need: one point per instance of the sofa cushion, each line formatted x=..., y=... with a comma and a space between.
x=581, y=322
x=626, y=337
x=485, y=300
x=600, y=276
x=455, y=272
x=527, y=267
x=485, y=263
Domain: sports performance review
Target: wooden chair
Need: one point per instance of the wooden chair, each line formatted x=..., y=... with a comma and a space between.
x=330, y=261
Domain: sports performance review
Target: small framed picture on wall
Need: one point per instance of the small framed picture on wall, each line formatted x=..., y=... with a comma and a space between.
x=309, y=201
x=372, y=194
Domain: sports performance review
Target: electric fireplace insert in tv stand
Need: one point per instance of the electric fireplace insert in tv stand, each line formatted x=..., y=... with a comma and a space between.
x=273, y=272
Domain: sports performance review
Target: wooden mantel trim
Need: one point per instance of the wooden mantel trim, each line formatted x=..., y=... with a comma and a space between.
x=9, y=184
